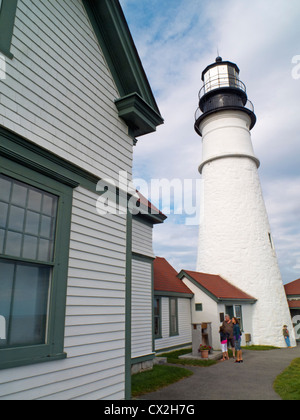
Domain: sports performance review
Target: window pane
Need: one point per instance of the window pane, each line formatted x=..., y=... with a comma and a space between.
x=32, y=223
x=30, y=247
x=13, y=244
x=1, y=240
x=16, y=219
x=3, y=214
x=49, y=205
x=45, y=250
x=238, y=311
x=6, y=285
x=34, y=200
x=46, y=227
x=24, y=302
x=19, y=194
x=173, y=316
x=156, y=326
x=174, y=325
x=173, y=307
x=5, y=188
x=156, y=307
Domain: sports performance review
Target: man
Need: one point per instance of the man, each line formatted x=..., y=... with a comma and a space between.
x=228, y=327
x=286, y=336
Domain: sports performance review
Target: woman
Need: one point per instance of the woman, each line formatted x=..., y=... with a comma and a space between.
x=237, y=336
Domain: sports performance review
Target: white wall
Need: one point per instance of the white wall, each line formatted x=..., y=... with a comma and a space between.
x=142, y=238
x=59, y=94
x=58, y=91
x=142, y=308
x=184, y=325
x=211, y=313
x=208, y=314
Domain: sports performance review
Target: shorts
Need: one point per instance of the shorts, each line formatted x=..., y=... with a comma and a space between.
x=224, y=347
x=238, y=344
x=231, y=341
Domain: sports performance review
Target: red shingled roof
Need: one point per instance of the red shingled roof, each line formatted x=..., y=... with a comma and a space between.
x=217, y=286
x=293, y=288
x=165, y=278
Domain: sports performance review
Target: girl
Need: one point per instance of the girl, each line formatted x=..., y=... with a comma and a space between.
x=237, y=335
x=224, y=338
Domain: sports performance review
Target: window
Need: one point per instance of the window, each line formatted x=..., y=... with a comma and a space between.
x=7, y=20
x=173, y=316
x=238, y=315
x=198, y=307
x=35, y=213
x=27, y=231
x=157, y=318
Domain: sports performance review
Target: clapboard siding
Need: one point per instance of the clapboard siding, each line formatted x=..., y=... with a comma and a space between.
x=141, y=311
x=59, y=92
x=142, y=238
x=95, y=318
x=184, y=325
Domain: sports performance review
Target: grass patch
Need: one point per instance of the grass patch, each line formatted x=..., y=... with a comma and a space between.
x=260, y=348
x=158, y=377
x=173, y=357
x=287, y=384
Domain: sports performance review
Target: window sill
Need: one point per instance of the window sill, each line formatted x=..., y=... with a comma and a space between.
x=29, y=361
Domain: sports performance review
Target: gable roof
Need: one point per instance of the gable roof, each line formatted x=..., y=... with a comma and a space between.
x=166, y=282
x=137, y=105
x=216, y=287
x=292, y=288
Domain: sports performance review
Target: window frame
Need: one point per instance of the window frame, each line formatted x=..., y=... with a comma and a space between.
x=54, y=348
x=7, y=21
x=176, y=331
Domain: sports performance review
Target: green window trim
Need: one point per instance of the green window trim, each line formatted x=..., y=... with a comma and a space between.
x=157, y=310
x=53, y=349
x=8, y=10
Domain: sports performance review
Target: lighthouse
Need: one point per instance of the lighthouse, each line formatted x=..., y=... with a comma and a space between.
x=235, y=239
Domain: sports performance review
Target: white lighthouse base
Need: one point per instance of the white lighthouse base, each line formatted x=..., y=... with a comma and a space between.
x=235, y=242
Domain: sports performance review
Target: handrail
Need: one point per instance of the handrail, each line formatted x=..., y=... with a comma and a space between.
x=219, y=81
x=249, y=105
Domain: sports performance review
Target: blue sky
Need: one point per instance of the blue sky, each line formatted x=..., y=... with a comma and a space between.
x=176, y=40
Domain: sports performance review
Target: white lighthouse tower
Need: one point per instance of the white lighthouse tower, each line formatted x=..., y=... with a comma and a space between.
x=234, y=238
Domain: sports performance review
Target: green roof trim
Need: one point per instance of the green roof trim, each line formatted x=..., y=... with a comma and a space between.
x=136, y=105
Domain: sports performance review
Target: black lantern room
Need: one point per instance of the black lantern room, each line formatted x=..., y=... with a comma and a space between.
x=222, y=90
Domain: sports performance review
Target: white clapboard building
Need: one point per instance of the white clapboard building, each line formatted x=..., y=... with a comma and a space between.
x=73, y=98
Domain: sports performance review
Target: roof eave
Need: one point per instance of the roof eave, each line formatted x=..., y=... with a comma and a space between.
x=112, y=31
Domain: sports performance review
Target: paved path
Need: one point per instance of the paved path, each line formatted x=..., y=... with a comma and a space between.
x=251, y=380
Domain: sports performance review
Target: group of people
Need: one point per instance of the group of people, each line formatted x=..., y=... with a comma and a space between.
x=230, y=334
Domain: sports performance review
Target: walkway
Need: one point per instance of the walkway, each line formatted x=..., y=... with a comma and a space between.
x=251, y=380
